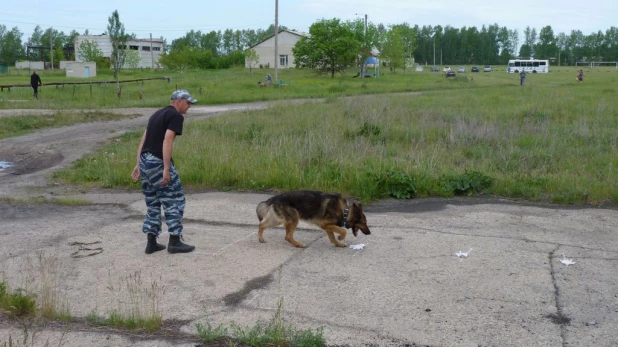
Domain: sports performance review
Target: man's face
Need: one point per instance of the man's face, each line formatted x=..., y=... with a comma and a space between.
x=182, y=105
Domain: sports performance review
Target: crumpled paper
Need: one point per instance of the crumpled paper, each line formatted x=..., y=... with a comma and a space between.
x=566, y=261
x=358, y=247
x=461, y=254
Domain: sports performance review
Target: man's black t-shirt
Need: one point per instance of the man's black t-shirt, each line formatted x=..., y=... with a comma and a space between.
x=35, y=80
x=162, y=120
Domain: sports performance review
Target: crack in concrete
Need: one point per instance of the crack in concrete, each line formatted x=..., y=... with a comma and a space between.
x=558, y=318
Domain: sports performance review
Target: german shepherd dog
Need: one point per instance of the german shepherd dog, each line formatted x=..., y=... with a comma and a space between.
x=328, y=211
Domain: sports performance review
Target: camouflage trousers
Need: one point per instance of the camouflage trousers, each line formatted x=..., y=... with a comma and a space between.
x=170, y=196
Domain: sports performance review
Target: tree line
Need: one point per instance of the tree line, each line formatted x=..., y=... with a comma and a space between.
x=398, y=44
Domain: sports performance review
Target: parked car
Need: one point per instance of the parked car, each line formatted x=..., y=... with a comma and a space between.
x=461, y=69
x=487, y=68
x=450, y=73
x=446, y=68
x=435, y=69
x=419, y=68
x=475, y=69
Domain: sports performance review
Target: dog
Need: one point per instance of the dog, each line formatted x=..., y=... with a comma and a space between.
x=328, y=211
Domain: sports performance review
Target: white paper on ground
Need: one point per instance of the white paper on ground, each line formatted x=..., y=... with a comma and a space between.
x=358, y=247
x=567, y=262
x=461, y=254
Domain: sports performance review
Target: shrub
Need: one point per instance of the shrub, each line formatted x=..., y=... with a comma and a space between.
x=467, y=183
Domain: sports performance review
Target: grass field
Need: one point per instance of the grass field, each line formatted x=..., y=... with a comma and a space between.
x=553, y=140
x=240, y=85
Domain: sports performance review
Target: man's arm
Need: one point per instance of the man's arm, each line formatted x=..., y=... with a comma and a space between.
x=135, y=174
x=168, y=146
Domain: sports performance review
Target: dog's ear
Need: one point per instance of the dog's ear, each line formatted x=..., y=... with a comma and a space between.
x=358, y=206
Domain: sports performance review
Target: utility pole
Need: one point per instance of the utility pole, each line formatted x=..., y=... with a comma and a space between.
x=151, y=53
x=365, y=27
x=277, y=42
x=434, y=49
x=51, y=48
x=369, y=48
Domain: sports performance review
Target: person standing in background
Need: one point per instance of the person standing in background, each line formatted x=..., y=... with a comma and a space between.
x=522, y=77
x=35, y=82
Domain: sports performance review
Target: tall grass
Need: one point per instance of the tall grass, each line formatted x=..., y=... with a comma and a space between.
x=552, y=140
x=136, y=304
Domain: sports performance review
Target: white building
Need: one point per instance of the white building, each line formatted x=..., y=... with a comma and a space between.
x=286, y=40
x=81, y=69
x=149, y=50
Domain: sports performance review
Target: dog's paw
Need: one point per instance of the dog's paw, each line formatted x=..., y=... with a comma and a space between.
x=299, y=245
x=341, y=244
x=262, y=240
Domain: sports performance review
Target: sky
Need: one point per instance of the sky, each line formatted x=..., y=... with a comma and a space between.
x=173, y=19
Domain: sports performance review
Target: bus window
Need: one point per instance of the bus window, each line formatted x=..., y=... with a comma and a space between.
x=517, y=63
x=535, y=64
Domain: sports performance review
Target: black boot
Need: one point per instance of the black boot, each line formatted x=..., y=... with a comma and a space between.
x=152, y=245
x=176, y=246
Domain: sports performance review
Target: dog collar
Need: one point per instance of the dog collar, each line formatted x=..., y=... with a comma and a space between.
x=346, y=211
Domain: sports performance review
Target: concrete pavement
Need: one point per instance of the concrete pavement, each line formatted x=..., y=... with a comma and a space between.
x=406, y=287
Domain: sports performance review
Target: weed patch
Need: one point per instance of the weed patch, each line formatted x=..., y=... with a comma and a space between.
x=467, y=183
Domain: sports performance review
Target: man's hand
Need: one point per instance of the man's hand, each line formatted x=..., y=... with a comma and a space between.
x=166, y=178
x=135, y=173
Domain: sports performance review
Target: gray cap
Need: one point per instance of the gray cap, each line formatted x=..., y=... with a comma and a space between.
x=183, y=94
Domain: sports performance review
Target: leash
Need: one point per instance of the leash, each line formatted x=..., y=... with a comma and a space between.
x=93, y=251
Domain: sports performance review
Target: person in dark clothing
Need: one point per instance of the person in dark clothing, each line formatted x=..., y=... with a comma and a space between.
x=35, y=82
x=158, y=176
x=522, y=77
x=580, y=76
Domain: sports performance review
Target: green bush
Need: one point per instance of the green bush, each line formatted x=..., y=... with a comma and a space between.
x=467, y=183
x=18, y=304
x=396, y=184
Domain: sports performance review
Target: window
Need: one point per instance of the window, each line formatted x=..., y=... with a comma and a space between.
x=145, y=48
x=283, y=60
x=135, y=48
x=156, y=48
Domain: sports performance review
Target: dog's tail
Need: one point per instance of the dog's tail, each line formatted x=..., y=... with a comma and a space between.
x=262, y=210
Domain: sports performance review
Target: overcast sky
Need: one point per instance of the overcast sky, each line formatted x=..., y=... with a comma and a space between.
x=173, y=19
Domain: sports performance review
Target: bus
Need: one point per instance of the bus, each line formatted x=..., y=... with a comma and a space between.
x=528, y=65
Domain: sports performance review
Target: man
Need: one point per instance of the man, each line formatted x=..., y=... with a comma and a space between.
x=522, y=77
x=159, y=179
x=35, y=82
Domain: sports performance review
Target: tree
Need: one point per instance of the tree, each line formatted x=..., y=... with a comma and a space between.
x=546, y=48
x=90, y=51
x=118, y=38
x=11, y=49
x=132, y=59
x=251, y=57
x=393, y=48
x=35, y=40
x=331, y=47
